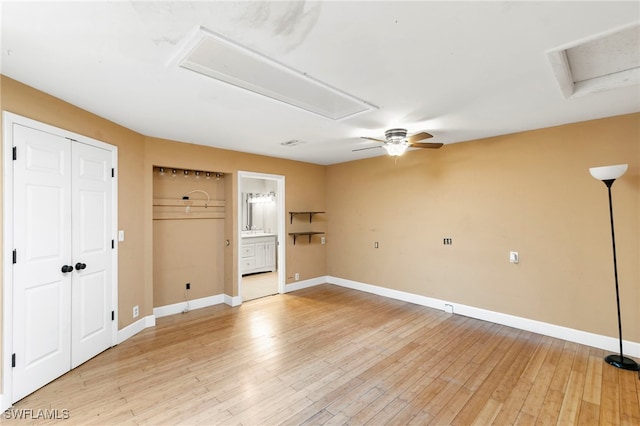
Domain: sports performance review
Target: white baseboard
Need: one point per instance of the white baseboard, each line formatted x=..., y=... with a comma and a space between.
x=177, y=308
x=135, y=328
x=578, y=336
x=552, y=330
x=299, y=285
x=232, y=300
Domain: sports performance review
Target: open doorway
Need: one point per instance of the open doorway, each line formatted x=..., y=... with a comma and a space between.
x=261, y=221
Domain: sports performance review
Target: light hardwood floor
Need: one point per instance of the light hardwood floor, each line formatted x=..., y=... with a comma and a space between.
x=329, y=355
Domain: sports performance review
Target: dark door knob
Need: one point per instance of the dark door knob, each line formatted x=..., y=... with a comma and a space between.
x=80, y=266
x=66, y=268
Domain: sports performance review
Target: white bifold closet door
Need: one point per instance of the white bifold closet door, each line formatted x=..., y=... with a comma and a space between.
x=62, y=284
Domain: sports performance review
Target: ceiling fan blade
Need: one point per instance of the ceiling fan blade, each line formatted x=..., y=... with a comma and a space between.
x=425, y=145
x=362, y=149
x=419, y=137
x=373, y=139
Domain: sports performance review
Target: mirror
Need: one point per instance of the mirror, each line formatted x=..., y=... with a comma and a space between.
x=259, y=211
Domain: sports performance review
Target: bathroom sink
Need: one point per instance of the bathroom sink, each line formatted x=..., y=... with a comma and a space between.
x=247, y=234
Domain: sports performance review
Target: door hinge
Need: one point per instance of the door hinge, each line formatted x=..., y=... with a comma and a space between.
x=15, y=256
x=113, y=244
x=113, y=315
x=15, y=153
x=13, y=360
x=113, y=172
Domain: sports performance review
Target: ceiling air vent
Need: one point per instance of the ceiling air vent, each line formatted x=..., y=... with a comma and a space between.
x=599, y=63
x=216, y=56
x=292, y=142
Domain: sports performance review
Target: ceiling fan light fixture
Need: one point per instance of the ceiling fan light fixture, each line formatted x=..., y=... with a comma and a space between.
x=396, y=141
x=396, y=135
x=396, y=149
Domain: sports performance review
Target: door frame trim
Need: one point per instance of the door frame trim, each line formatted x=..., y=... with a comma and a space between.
x=281, y=243
x=8, y=120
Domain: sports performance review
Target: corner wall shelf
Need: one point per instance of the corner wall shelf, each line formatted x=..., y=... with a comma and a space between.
x=292, y=214
x=297, y=234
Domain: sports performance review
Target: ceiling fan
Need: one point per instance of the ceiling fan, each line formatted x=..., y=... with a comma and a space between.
x=397, y=142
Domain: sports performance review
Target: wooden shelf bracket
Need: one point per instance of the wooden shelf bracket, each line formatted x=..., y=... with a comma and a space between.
x=297, y=234
x=292, y=214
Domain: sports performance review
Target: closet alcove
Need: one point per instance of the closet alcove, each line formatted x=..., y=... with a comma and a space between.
x=188, y=234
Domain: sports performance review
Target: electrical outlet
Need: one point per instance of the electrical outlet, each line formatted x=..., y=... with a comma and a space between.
x=297, y=276
x=136, y=311
x=188, y=286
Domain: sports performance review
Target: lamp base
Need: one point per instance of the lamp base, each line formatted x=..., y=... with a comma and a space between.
x=622, y=362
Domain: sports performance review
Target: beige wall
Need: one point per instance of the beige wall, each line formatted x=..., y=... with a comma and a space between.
x=529, y=192
x=304, y=190
x=187, y=248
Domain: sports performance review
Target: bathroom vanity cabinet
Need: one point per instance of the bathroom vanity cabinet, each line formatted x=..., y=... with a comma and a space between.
x=258, y=253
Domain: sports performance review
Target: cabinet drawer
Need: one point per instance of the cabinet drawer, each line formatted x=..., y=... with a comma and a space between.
x=248, y=264
x=248, y=251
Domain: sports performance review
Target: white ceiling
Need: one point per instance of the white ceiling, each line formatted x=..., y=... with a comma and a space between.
x=458, y=70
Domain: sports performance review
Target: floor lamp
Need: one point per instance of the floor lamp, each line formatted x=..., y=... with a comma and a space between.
x=608, y=175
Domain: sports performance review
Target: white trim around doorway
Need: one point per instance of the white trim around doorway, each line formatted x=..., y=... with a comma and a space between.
x=280, y=207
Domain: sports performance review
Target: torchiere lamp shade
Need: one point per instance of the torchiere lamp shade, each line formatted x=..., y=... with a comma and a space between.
x=608, y=172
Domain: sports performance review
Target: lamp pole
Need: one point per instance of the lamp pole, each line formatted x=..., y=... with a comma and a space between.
x=608, y=175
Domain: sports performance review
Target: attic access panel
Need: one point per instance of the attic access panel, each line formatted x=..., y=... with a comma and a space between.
x=600, y=63
x=221, y=58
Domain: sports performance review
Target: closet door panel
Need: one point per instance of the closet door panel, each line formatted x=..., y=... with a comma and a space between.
x=91, y=290
x=42, y=240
